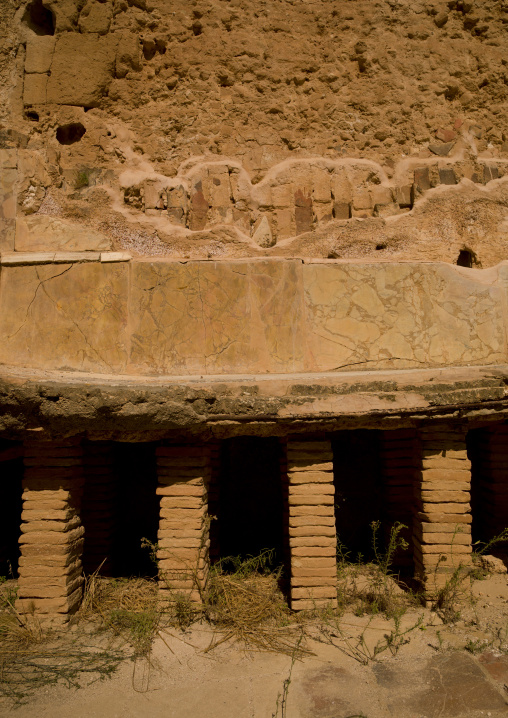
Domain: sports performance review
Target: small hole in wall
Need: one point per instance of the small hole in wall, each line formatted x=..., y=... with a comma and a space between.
x=39, y=19
x=382, y=245
x=31, y=115
x=69, y=134
x=466, y=258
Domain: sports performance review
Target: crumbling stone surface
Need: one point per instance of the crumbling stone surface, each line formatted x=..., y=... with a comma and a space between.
x=194, y=148
x=102, y=408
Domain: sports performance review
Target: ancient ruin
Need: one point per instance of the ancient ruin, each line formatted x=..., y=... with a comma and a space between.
x=254, y=273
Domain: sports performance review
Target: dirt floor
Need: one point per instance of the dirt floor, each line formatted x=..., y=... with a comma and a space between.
x=434, y=669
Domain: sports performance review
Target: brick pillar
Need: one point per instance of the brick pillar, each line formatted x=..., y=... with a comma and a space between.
x=51, y=543
x=442, y=530
x=99, y=506
x=214, y=501
x=183, y=472
x=312, y=538
x=399, y=465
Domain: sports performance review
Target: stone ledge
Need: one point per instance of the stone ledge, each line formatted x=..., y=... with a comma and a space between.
x=18, y=259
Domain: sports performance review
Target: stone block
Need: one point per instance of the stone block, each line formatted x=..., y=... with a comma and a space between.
x=443, y=463
x=219, y=187
x=63, y=538
x=60, y=604
x=318, y=551
x=445, y=485
x=422, y=179
x=453, y=539
x=155, y=195
x=176, y=533
x=310, y=604
x=381, y=195
x=442, y=517
x=172, y=542
x=181, y=502
x=39, y=53
x=307, y=487
x=341, y=210
x=447, y=175
x=95, y=17
x=321, y=186
x=127, y=54
x=35, y=89
x=323, y=212
x=36, y=514
x=298, y=571
x=282, y=196
x=46, y=587
x=309, y=530
x=34, y=568
x=180, y=490
x=313, y=562
x=441, y=149
x=52, y=550
x=319, y=470
x=404, y=196
x=61, y=526
x=82, y=69
x=311, y=499
x=304, y=215
x=362, y=200
x=312, y=520
x=316, y=540
x=298, y=581
x=310, y=511
x=284, y=223
x=311, y=592
x=458, y=507
x=436, y=474
x=453, y=450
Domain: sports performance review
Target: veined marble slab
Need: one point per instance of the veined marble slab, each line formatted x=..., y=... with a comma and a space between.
x=243, y=317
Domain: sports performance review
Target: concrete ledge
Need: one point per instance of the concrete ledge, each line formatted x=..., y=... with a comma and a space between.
x=140, y=408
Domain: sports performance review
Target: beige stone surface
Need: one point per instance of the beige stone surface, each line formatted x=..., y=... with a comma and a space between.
x=39, y=53
x=239, y=317
x=66, y=316
x=81, y=69
x=40, y=233
x=216, y=317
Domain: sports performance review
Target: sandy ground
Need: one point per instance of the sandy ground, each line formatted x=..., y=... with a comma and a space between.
x=432, y=674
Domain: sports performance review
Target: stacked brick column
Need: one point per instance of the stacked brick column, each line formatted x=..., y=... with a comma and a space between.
x=490, y=479
x=214, y=501
x=51, y=543
x=99, y=507
x=312, y=538
x=183, y=539
x=442, y=537
x=399, y=458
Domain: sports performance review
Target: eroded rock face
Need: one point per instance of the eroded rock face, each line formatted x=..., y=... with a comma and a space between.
x=240, y=131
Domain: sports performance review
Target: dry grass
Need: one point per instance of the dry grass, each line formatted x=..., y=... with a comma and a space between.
x=130, y=608
x=32, y=657
x=251, y=609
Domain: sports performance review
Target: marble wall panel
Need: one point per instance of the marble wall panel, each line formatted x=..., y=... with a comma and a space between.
x=65, y=316
x=375, y=316
x=244, y=317
x=216, y=317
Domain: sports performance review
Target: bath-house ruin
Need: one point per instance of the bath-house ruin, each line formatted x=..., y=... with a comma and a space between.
x=285, y=397
x=253, y=288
